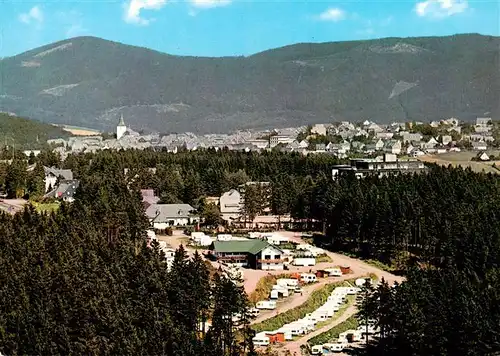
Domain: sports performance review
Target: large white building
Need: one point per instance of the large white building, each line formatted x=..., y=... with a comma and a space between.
x=231, y=204
x=381, y=166
x=254, y=253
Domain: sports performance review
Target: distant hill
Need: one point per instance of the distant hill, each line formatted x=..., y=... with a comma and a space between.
x=26, y=133
x=89, y=82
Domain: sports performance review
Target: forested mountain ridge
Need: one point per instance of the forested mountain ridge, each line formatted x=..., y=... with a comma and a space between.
x=26, y=133
x=90, y=82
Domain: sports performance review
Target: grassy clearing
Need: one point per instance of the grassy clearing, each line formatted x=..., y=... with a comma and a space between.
x=333, y=334
x=288, y=246
x=380, y=265
x=45, y=207
x=317, y=299
x=461, y=159
x=263, y=289
x=323, y=258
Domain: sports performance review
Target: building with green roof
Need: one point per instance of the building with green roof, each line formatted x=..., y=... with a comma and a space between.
x=252, y=253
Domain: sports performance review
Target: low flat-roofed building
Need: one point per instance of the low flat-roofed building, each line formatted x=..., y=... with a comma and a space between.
x=389, y=164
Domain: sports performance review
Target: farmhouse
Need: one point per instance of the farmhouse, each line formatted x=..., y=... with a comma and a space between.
x=53, y=175
x=257, y=254
x=64, y=191
x=164, y=215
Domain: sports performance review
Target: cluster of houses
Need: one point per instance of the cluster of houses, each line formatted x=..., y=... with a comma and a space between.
x=230, y=205
x=367, y=137
x=127, y=138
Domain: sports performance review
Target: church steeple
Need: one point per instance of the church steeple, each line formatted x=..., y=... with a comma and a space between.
x=121, y=128
x=121, y=123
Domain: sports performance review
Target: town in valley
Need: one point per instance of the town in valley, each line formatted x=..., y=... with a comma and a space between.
x=250, y=178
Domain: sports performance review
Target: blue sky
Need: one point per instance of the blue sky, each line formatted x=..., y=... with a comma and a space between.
x=236, y=27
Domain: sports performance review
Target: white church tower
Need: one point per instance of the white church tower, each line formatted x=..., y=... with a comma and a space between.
x=120, y=129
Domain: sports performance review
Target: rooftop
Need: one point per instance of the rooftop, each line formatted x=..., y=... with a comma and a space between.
x=241, y=246
x=163, y=212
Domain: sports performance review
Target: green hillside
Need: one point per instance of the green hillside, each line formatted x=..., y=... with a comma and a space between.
x=90, y=82
x=25, y=133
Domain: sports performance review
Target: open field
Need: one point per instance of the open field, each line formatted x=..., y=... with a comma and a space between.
x=463, y=159
x=80, y=131
x=46, y=207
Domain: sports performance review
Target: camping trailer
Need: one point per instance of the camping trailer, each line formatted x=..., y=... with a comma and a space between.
x=286, y=333
x=304, y=261
x=335, y=347
x=351, y=336
x=317, y=350
x=261, y=339
x=281, y=290
x=224, y=237
x=308, y=278
x=266, y=304
x=290, y=283
x=334, y=272
x=294, y=329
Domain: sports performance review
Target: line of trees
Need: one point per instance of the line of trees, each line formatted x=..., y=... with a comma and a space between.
x=437, y=311
x=82, y=281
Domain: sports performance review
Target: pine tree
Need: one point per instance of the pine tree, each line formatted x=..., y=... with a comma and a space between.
x=36, y=182
x=16, y=179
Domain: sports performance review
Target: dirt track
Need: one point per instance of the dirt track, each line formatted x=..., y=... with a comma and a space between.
x=12, y=206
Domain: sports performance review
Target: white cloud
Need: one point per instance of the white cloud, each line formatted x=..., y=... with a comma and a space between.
x=133, y=10
x=333, y=14
x=72, y=21
x=206, y=4
x=440, y=8
x=34, y=15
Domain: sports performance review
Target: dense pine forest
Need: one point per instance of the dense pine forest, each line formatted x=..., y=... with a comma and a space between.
x=81, y=281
